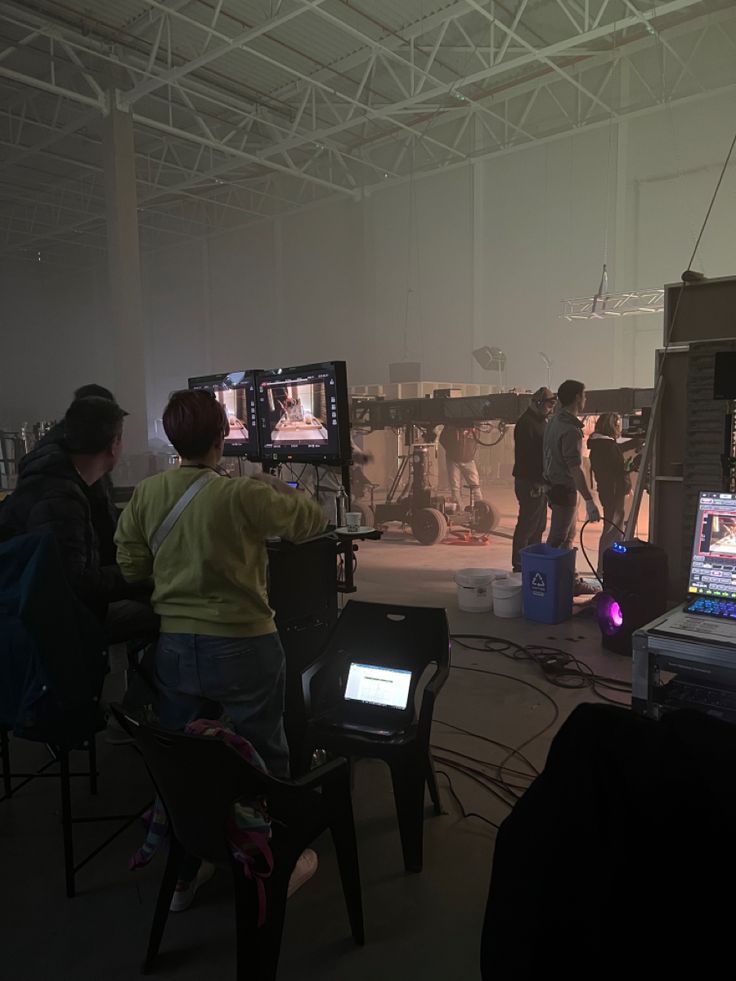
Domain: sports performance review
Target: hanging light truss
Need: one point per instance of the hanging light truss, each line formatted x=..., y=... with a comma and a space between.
x=631, y=303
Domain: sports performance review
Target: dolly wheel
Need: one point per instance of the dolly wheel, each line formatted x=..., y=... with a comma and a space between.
x=428, y=526
x=485, y=517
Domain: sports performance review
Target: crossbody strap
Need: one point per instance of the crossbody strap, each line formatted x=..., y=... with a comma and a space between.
x=163, y=530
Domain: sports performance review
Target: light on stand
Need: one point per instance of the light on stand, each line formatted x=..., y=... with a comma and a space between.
x=492, y=359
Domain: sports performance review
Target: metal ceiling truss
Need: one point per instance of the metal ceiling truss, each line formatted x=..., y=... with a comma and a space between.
x=630, y=304
x=235, y=124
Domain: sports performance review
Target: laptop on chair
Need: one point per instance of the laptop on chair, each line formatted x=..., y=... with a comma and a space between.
x=375, y=700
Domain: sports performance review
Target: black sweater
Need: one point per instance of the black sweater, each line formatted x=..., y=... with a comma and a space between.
x=528, y=452
x=51, y=496
x=609, y=469
x=103, y=511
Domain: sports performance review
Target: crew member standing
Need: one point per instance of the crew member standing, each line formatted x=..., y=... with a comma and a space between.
x=612, y=479
x=529, y=473
x=218, y=639
x=460, y=445
x=563, y=466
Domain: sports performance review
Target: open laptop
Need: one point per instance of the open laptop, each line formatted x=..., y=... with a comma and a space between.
x=710, y=611
x=375, y=700
x=712, y=585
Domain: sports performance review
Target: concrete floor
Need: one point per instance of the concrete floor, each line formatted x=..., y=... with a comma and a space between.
x=417, y=926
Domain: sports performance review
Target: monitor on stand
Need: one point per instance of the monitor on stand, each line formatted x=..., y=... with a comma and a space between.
x=236, y=391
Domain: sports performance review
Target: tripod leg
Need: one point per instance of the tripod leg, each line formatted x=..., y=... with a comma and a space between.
x=66, y=822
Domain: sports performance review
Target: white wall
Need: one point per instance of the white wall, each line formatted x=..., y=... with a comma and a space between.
x=429, y=269
x=482, y=254
x=54, y=337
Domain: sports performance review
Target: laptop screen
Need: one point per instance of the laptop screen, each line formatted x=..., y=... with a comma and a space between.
x=713, y=566
x=374, y=685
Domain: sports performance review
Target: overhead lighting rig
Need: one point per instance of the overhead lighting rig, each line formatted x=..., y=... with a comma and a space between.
x=631, y=303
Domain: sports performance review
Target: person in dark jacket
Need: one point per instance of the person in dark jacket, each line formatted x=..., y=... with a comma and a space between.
x=460, y=444
x=101, y=497
x=613, y=482
x=528, y=477
x=53, y=494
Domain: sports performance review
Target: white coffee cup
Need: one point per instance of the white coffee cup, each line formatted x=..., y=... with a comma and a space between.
x=352, y=521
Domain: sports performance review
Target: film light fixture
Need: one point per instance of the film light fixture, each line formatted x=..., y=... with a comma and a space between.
x=492, y=359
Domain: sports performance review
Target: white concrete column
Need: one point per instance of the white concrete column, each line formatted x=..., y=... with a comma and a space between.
x=206, y=307
x=479, y=271
x=128, y=349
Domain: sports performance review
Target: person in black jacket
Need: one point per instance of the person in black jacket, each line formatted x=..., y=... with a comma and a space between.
x=528, y=477
x=613, y=482
x=101, y=498
x=53, y=494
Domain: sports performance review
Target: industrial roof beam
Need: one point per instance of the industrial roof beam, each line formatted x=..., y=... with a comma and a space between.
x=157, y=125
x=545, y=59
x=668, y=47
x=230, y=44
x=192, y=88
x=533, y=55
x=387, y=54
x=628, y=55
x=50, y=87
x=54, y=137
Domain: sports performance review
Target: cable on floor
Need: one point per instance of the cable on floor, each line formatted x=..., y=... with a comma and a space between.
x=560, y=668
x=582, y=543
x=465, y=814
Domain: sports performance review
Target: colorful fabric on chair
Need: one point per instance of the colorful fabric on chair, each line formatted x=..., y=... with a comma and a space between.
x=249, y=826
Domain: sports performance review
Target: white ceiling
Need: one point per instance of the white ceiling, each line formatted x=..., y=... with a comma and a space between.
x=245, y=109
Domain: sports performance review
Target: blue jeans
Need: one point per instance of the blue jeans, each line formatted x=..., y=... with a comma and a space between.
x=240, y=679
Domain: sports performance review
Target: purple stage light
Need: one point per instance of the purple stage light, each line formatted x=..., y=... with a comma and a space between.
x=616, y=616
x=610, y=614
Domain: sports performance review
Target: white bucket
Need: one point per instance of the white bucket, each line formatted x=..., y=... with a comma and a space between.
x=507, y=597
x=474, y=589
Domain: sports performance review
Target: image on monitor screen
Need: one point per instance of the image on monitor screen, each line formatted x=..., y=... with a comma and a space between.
x=303, y=412
x=713, y=565
x=236, y=391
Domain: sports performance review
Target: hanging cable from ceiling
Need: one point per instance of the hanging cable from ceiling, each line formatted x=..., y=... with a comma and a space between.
x=600, y=298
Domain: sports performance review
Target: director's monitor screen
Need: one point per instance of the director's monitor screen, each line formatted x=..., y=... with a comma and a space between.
x=713, y=566
x=303, y=414
x=236, y=391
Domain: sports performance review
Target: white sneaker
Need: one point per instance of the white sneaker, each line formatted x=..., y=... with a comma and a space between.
x=304, y=869
x=184, y=897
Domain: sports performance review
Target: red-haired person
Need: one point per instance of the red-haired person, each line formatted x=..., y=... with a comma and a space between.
x=219, y=654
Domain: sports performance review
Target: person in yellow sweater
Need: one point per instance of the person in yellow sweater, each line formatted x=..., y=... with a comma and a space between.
x=219, y=654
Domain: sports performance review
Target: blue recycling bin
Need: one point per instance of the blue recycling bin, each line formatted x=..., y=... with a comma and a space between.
x=548, y=579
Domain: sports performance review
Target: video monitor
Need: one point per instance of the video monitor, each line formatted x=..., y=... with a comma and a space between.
x=303, y=414
x=236, y=390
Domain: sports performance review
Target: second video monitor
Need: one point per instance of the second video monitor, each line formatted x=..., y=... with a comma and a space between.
x=303, y=413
